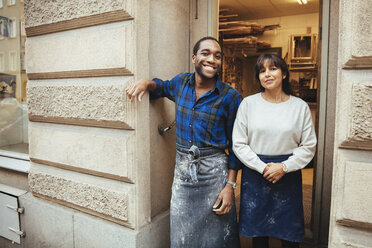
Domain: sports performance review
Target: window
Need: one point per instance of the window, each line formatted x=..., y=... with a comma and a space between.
x=2, y=65
x=1, y=3
x=4, y=27
x=13, y=28
x=12, y=61
x=13, y=106
x=11, y=2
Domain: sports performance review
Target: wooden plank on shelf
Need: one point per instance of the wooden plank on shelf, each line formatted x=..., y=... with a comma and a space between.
x=241, y=31
x=245, y=40
x=228, y=16
x=226, y=10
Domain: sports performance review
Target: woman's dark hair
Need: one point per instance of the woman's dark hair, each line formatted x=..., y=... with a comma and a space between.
x=278, y=62
x=197, y=44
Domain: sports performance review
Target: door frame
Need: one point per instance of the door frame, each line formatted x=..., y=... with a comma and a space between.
x=321, y=195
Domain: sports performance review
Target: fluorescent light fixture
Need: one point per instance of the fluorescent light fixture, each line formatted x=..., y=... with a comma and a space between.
x=302, y=2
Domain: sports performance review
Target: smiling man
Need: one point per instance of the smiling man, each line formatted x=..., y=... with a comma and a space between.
x=202, y=206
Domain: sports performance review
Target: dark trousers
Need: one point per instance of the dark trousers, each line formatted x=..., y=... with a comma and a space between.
x=263, y=242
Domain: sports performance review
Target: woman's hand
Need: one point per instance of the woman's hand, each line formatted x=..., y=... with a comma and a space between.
x=274, y=172
x=226, y=196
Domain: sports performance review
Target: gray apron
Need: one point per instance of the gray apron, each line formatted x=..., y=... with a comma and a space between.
x=199, y=177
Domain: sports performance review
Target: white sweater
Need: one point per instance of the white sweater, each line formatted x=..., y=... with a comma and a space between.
x=268, y=128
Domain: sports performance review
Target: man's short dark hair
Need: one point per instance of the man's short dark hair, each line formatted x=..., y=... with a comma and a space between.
x=197, y=44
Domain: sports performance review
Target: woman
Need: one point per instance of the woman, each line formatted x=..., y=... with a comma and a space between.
x=274, y=137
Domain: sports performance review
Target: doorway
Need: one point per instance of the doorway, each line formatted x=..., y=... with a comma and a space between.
x=289, y=29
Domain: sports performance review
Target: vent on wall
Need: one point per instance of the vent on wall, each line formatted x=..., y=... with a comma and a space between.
x=9, y=213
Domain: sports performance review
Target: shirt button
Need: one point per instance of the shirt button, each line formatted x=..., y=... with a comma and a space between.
x=190, y=141
x=190, y=125
x=193, y=108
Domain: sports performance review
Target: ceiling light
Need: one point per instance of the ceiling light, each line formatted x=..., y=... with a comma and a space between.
x=302, y=2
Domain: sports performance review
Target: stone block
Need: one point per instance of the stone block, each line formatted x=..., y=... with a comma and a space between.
x=46, y=224
x=92, y=232
x=356, y=33
x=86, y=49
x=356, y=200
x=361, y=122
x=83, y=101
x=156, y=234
x=98, y=151
x=39, y=13
x=102, y=197
x=353, y=117
x=346, y=237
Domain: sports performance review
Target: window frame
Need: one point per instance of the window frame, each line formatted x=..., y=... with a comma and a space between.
x=11, y=63
x=11, y=2
x=2, y=61
x=13, y=28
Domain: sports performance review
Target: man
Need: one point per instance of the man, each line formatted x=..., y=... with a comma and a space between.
x=202, y=206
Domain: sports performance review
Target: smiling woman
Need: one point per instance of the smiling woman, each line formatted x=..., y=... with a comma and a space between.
x=274, y=138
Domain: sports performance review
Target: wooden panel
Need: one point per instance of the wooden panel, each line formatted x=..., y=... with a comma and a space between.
x=86, y=21
x=81, y=74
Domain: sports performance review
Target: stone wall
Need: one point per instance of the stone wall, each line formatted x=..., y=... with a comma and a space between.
x=351, y=214
x=98, y=163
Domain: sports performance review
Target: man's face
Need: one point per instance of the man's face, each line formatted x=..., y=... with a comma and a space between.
x=207, y=60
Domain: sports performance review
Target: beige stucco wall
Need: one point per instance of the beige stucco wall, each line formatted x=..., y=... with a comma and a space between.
x=351, y=214
x=94, y=156
x=169, y=56
x=79, y=152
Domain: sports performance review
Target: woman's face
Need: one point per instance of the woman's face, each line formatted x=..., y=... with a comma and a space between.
x=271, y=77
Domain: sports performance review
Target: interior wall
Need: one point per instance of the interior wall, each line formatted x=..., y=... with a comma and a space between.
x=296, y=24
x=289, y=25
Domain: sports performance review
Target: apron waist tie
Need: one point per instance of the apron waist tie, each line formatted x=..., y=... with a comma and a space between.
x=193, y=158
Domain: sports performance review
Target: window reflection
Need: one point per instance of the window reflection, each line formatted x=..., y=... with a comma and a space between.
x=13, y=80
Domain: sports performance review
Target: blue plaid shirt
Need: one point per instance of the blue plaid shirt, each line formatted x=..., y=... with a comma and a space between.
x=207, y=122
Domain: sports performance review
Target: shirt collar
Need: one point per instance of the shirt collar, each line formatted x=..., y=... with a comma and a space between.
x=219, y=84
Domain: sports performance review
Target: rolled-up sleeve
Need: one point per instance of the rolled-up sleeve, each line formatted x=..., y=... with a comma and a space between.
x=167, y=88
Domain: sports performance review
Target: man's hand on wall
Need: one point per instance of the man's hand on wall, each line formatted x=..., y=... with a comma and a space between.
x=139, y=89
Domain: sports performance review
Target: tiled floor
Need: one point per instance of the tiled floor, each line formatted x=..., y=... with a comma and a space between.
x=307, y=185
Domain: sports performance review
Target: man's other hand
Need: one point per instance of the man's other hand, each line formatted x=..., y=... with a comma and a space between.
x=227, y=197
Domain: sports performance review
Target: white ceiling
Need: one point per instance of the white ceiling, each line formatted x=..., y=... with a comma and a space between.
x=257, y=9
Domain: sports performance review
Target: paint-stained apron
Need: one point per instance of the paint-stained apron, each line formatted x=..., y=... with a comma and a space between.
x=273, y=210
x=199, y=176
